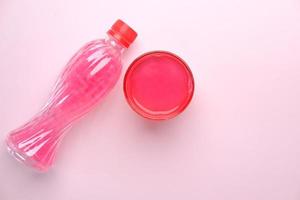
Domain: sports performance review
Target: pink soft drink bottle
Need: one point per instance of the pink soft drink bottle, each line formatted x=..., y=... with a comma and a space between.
x=88, y=77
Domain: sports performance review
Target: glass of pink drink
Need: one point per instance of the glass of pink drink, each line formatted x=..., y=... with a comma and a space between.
x=88, y=77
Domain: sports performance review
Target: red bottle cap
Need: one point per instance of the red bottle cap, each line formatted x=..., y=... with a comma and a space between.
x=122, y=32
x=158, y=85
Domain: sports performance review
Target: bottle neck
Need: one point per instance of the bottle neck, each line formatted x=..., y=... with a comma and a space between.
x=115, y=44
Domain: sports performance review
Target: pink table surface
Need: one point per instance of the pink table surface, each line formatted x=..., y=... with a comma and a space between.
x=238, y=140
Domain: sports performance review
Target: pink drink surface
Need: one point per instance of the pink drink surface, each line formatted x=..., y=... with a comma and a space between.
x=158, y=85
x=87, y=78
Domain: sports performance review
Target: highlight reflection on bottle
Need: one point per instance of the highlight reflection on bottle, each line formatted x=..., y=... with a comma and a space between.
x=88, y=77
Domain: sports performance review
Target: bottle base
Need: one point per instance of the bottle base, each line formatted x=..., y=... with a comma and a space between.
x=21, y=157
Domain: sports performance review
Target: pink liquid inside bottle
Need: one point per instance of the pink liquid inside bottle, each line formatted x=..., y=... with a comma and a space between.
x=88, y=77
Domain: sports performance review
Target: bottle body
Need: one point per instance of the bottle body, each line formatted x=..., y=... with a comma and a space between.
x=88, y=77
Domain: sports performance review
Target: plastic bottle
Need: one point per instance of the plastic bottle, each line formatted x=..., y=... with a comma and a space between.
x=88, y=77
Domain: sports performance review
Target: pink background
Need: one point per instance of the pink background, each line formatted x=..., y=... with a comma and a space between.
x=238, y=140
